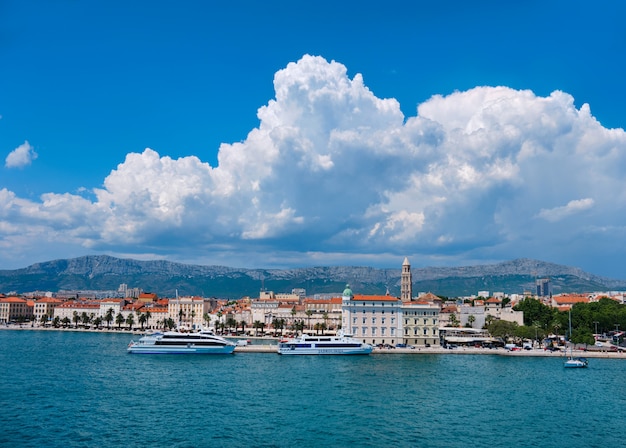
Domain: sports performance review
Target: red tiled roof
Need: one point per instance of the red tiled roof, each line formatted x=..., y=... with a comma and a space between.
x=13, y=300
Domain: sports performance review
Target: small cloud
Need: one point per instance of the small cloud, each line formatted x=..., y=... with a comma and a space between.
x=21, y=156
x=558, y=213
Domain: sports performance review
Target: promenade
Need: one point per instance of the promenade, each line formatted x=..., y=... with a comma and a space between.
x=271, y=348
x=458, y=351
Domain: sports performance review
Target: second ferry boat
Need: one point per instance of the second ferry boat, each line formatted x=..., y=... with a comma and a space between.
x=342, y=344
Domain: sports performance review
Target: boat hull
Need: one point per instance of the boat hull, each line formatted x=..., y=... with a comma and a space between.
x=324, y=351
x=575, y=364
x=183, y=350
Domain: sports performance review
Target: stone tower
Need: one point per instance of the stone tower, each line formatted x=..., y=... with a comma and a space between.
x=406, y=282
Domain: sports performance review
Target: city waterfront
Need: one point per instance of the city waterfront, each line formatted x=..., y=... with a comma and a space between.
x=81, y=389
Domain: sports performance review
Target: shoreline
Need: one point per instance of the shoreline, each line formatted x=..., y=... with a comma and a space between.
x=271, y=348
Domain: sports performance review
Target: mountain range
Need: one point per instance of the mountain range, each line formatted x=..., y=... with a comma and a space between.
x=103, y=272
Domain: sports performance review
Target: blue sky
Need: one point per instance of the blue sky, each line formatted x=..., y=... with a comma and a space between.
x=288, y=133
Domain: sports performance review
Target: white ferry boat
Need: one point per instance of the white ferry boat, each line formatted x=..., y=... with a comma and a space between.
x=174, y=342
x=342, y=344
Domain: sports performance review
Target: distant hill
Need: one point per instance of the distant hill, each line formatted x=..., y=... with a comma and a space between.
x=103, y=272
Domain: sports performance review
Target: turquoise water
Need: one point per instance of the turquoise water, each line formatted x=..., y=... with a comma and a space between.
x=72, y=389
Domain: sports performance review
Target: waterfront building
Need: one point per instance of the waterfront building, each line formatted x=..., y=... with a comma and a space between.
x=13, y=309
x=472, y=316
x=420, y=320
x=188, y=311
x=73, y=308
x=372, y=319
x=264, y=310
x=449, y=316
x=111, y=304
x=45, y=307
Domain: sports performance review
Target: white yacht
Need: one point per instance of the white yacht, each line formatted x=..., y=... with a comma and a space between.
x=342, y=344
x=175, y=342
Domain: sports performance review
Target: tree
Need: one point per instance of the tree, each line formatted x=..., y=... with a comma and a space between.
x=278, y=324
x=142, y=320
x=256, y=325
x=502, y=329
x=97, y=322
x=583, y=336
x=207, y=319
x=308, y=315
x=108, y=317
x=454, y=322
x=535, y=311
x=65, y=321
x=130, y=320
x=470, y=320
x=119, y=320
x=243, y=326
x=86, y=318
x=148, y=315
x=43, y=319
x=76, y=318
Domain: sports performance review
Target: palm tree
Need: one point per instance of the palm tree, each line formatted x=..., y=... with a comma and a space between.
x=43, y=319
x=148, y=314
x=308, y=315
x=119, y=320
x=108, y=317
x=256, y=325
x=86, y=318
x=66, y=321
x=470, y=320
x=56, y=322
x=181, y=314
x=207, y=319
x=97, y=321
x=142, y=320
x=130, y=320
x=230, y=323
x=243, y=326
x=193, y=314
x=219, y=319
x=76, y=318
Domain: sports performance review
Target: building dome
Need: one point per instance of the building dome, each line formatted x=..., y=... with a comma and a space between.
x=347, y=292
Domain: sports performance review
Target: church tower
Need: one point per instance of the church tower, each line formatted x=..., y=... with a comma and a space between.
x=406, y=282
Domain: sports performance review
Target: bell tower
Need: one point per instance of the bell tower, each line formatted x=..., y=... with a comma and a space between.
x=406, y=281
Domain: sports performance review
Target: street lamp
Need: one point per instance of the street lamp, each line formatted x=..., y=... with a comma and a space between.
x=595, y=322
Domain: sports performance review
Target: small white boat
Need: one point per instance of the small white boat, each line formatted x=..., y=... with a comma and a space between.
x=174, y=342
x=342, y=344
x=576, y=362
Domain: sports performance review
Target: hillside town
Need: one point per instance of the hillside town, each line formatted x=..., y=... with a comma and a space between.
x=418, y=320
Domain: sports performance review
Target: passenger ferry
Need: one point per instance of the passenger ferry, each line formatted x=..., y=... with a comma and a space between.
x=342, y=344
x=175, y=342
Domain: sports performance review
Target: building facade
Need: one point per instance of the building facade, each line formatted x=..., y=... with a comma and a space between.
x=420, y=321
x=372, y=319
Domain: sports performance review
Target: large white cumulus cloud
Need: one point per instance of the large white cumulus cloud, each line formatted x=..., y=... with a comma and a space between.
x=331, y=168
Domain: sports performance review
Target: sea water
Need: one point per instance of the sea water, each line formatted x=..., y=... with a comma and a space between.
x=80, y=389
